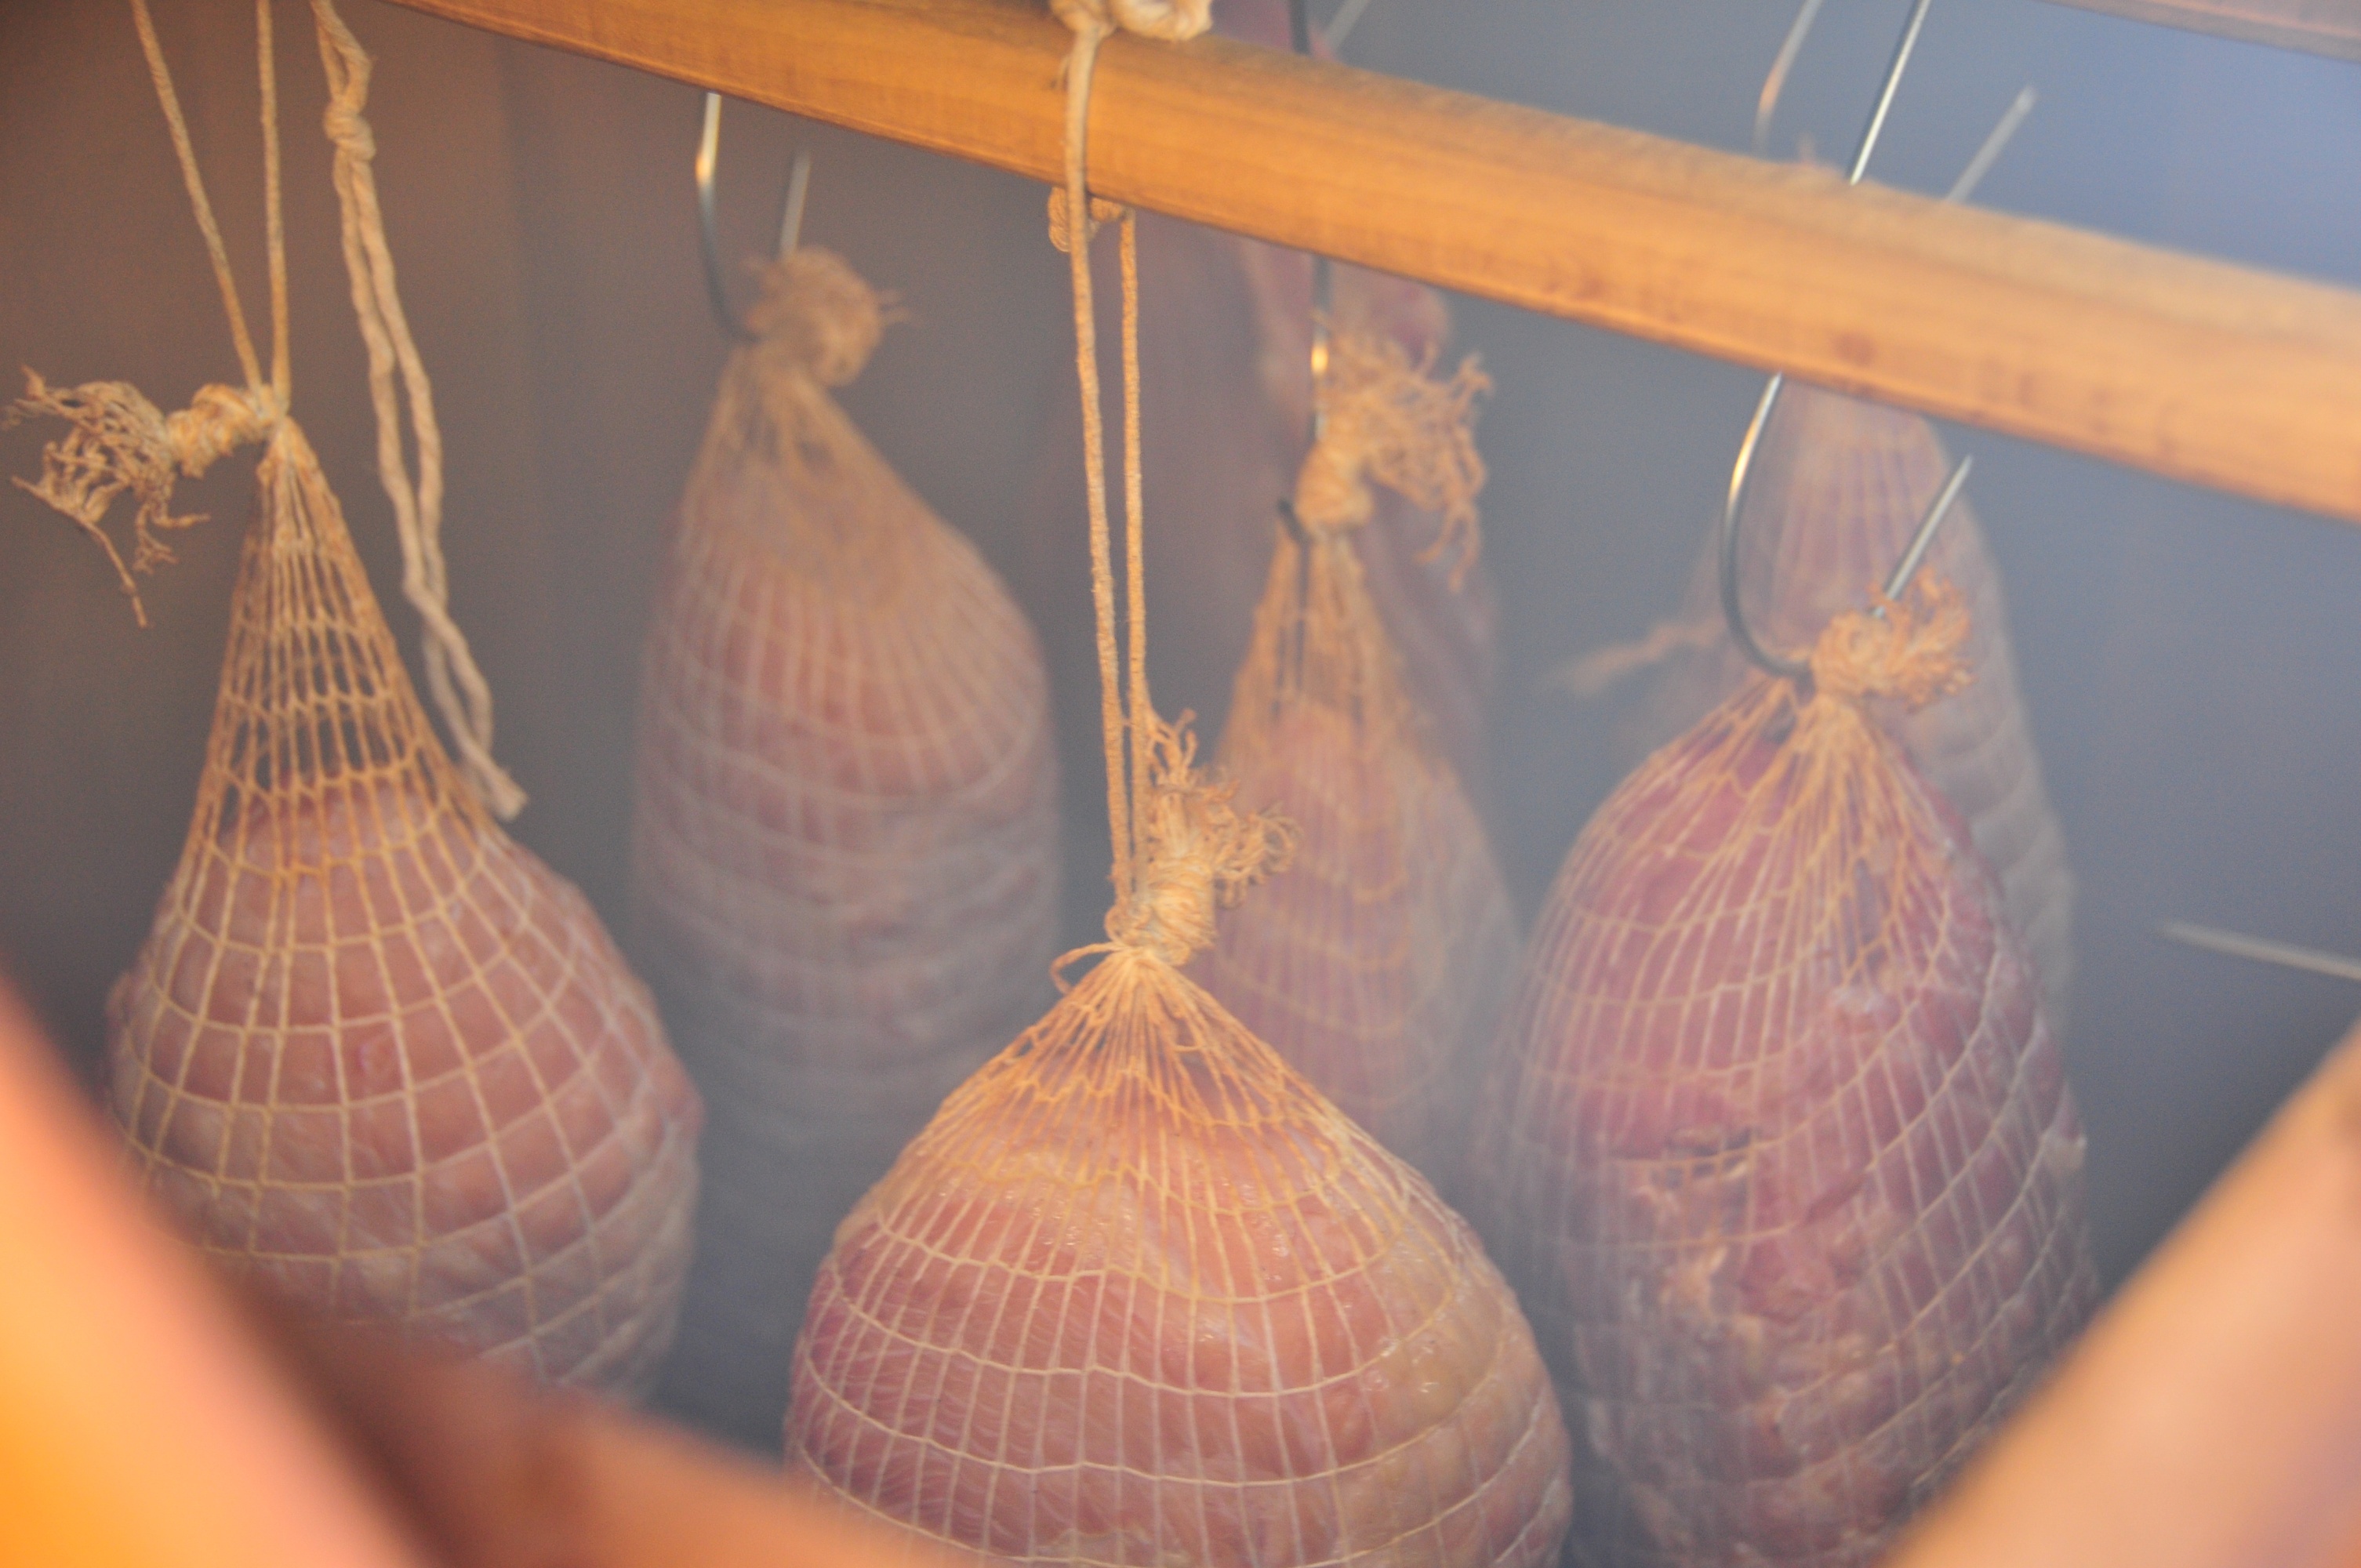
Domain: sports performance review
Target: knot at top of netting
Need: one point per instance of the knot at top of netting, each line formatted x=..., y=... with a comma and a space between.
x=1386, y=419
x=118, y=443
x=1197, y=852
x=1908, y=649
x=1172, y=20
x=819, y=316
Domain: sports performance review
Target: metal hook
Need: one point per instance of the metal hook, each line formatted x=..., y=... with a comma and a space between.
x=1323, y=271
x=791, y=217
x=1742, y=470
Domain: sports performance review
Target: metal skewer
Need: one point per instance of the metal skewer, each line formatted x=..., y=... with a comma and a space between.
x=791, y=217
x=2286, y=955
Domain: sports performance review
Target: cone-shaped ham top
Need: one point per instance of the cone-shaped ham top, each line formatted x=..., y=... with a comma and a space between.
x=846, y=840
x=1841, y=487
x=373, y=1051
x=1782, y=1151
x=1139, y=1294
x=1379, y=963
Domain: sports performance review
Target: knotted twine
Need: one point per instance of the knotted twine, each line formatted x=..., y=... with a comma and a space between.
x=1181, y=848
x=120, y=442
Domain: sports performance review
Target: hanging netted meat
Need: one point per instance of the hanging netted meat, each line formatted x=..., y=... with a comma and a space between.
x=372, y=1051
x=846, y=836
x=1138, y=1294
x=1379, y=963
x=1839, y=486
x=1780, y=1148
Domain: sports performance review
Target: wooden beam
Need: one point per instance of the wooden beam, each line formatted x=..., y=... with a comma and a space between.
x=2317, y=26
x=2209, y=373
x=2210, y=1417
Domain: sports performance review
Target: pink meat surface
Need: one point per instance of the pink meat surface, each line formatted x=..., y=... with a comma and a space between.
x=845, y=850
x=1139, y=1296
x=1380, y=961
x=375, y=1053
x=1782, y=1151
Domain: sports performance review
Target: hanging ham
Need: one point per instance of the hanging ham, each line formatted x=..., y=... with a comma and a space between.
x=846, y=834
x=1782, y=1149
x=373, y=1052
x=1378, y=961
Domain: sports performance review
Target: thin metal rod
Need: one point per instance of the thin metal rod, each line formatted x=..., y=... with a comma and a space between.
x=791, y=211
x=1767, y=103
x=1994, y=145
x=1876, y=126
x=1908, y=567
x=2283, y=954
x=1323, y=271
x=1340, y=26
x=1741, y=472
x=791, y=217
x=717, y=287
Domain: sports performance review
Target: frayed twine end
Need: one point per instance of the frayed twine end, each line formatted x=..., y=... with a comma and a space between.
x=119, y=442
x=1387, y=419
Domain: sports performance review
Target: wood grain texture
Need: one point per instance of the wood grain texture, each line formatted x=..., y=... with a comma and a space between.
x=2225, y=1376
x=2316, y=26
x=2213, y=374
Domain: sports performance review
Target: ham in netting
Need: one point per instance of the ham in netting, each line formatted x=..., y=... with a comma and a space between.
x=1782, y=1150
x=1378, y=961
x=1840, y=489
x=1139, y=1294
x=846, y=836
x=373, y=1052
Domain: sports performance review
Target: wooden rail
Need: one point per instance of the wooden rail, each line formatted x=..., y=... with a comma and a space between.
x=2214, y=374
x=2317, y=26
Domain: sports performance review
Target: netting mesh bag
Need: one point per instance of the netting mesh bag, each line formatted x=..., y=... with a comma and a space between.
x=372, y=1052
x=1782, y=1151
x=1378, y=961
x=1840, y=486
x=1138, y=1294
x=845, y=845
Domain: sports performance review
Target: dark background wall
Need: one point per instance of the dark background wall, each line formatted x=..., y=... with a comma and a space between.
x=2189, y=659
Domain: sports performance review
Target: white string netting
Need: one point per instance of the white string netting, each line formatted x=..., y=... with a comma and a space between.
x=1138, y=1293
x=1379, y=963
x=846, y=837
x=1780, y=1149
x=372, y=1053
x=1840, y=489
